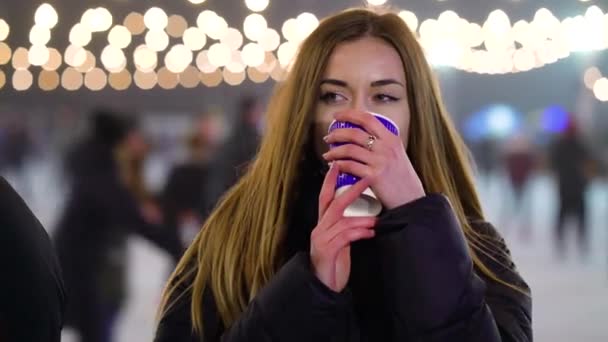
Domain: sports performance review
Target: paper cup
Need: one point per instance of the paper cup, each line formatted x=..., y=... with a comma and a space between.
x=367, y=204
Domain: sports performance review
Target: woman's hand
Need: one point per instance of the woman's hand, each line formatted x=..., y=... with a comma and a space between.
x=330, y=240
x=387, y=166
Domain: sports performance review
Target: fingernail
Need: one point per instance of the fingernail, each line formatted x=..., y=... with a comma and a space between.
x=326, y=138
x=325, y=155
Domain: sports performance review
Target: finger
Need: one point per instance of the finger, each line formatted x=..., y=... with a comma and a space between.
x=347, y=135
x=327, y=189
x=355, y=168
x=335, y=211
x=346, y=224
x=351, y=151
x=366, y=120
x=347, y=237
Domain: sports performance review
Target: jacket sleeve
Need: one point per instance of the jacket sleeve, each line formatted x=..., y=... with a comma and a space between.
x=293, y=306
x=436, y=293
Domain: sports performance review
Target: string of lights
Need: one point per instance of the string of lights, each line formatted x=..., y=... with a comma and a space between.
x=171, y=52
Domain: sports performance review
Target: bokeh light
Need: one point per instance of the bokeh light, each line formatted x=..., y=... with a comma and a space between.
x=145, y=80
x=254, y=26
x=21, y=59
x=54, y=61
x=38, y=55
x=591, y=75
x=157, y=40
x=134, y=21
x=203, y=64
x=219, y=54
x=178, y=58
x=22, y=80
x=89, y=63
x=176, y=26
x=71, y=79
x=194, y=39
x=233, y=38
x=167, y=79
x=253, y=55
x=48, y=80
x=39, y=35
x=119, y=36
x=211, y=79
x=46, y=16
x=5, y=53
x=155, y=18
x=4, y=30
x=120, y=80
x=80, y=35
x=145, y=58
x=257, y=5
x=600, y=89
x=233, y=78
x=96, y=79
x=189, y=78
x=269, y=40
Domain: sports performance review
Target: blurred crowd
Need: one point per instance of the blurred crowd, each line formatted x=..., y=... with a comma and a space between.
x=105, y=171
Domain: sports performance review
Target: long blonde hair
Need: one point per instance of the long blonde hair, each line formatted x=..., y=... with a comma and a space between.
x=238, y=250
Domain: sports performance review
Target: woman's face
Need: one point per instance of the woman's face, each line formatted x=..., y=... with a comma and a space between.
x=364, y=75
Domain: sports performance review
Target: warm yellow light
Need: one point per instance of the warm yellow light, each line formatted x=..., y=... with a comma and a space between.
x=96, y=79
x=290, y=30
x=194, y=39
x=286, y=53
x=176, y=26
x=253, y=55
x=5, y=53
x=178, y=58
x=80, y=35
x=145, y=80
x=97, y=20
x=135, y=23
x=600, y=89
x=524, y=60
x=71, y=79
x=119, y=37
x=591, y=76
x=376, y=2
x=120, y=80
x=211, y=79
x=269, y=40
x=157, y=40
x=307, y=22
x=167, y=79
x=156, y=19
x=145, y=58
x=254, y=26
x=216, y=27
x=203, y=64
x=219, y=54
x=48, y=80
x=410, y=19
x=257, y=5
x=112, y=57
x=54, y=61
x=39, y=35
x=22, y=80
x=46, y=16
x=38, y=55
x=2, y=79
x=232, y=78
x=197, y=2
x=233, y=38
x=189, y=78
x=236, y=63
x=21, y=59
x=4, y=30
x=256, y=75
x=88, y=64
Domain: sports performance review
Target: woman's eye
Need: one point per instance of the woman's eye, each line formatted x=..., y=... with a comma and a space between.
x=331, y=97
x=385, y=98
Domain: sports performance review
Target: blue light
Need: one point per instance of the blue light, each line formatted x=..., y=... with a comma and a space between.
x=554, y=119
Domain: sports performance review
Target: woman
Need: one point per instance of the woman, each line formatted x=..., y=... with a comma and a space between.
x=277, y=261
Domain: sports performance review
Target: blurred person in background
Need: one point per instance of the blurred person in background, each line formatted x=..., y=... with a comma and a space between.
x=520, y=161
x=278, y=261
x=233, y=158
x=572, y=164
x=32, y=292
x=15, y=146
x=104, y=205
x=187, y=183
